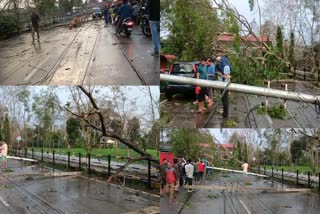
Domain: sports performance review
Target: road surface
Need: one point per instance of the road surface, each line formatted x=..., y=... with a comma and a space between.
x=71, y=194
x=181, y=113
x=88, y=55
x=242, y=202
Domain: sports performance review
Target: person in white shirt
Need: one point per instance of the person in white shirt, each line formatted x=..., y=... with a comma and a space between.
x=189, y=173
x=4, y=153
x=245, y=167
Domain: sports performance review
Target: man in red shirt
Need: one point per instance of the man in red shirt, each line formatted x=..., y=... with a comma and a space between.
x=201, y=169
x=171, y=179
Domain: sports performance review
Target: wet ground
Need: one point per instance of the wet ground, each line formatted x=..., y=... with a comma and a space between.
x=72, y=194
x=182, y=113
x=88, y=55
x=248, y=201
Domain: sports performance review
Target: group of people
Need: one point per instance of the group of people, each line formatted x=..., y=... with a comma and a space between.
x=124, y=9
x=209, y=69
x=182, y=173
x=4, y=153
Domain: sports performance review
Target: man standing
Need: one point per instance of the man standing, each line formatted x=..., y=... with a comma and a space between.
x=171, y=179
x=153, y=8
x=245, y=167
x=189, y=173
x=201, y=170
x=211, y=75
x=4, y=153
x=202, y=71
x=223, y=71
x=106, y=14
x=35, y=19
x=163, y=167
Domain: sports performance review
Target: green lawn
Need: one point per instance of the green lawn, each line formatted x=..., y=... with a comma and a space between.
x=302, y=169
x=97, y=152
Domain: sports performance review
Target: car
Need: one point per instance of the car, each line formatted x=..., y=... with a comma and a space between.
x=182, y=69
x=96, y=13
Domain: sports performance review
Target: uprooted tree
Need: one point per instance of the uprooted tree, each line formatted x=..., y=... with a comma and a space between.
x=95, y=119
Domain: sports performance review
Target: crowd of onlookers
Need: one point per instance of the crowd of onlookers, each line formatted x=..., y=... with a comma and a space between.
x=180, y=172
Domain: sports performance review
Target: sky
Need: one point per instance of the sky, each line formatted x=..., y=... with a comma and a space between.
x=137, y=93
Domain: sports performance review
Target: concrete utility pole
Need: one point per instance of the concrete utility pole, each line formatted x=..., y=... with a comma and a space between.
x=247, y=89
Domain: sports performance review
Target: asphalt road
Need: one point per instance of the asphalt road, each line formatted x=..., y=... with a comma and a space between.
x=181, y=113
x=88, y=55
x=242, y=202
x=21, y=195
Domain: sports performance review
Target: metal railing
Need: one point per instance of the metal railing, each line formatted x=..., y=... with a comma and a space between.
x=144, y=171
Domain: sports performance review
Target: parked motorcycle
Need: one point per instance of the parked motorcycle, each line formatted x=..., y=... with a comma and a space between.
x=145, y=26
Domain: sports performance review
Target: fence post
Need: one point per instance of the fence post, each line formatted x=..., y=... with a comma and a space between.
x=297, y=177
x=68, y=159
x=32, y=153
x=264, y=169
x=19, y=152
x=149, y=173
x=89, y=167
x=109, y=165
x=79, y=161
x=309, y=181
x=282, y=175
x=42, y=155
x=319, y=74
x=304, y=74
x=272, y=172
x=53, y=154
x=25, y=152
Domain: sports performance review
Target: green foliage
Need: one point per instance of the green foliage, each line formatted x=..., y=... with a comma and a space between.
x=251, y=4
x=187, y=143
x=279, y=41
x=193, y=26
x=73, y=130
x=297, y=148
x=276, y=111
x=291, y=49
x=6, y=131
x=9, y=25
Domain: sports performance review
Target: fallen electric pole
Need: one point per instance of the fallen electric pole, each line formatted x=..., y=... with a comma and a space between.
x=238, y=171
x=247, y=89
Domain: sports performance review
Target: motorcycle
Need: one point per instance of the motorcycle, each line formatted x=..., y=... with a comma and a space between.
x=126, y=26
x=145, y=26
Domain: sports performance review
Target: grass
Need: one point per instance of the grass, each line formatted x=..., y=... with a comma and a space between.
x=229, y=124
x=302, y=169
x=276, y=111
x=96, y=152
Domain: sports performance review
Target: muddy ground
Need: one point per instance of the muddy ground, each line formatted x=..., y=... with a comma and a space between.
x=88, y=55
x=182, y=113
x=72, y=194
x=251, y=201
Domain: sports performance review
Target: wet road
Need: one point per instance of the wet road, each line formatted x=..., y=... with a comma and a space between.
x=65, y=194
x=88, y=55
x=242, y=202
x=181, y=113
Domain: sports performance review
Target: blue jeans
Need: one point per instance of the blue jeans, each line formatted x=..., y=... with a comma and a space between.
x=155, y=30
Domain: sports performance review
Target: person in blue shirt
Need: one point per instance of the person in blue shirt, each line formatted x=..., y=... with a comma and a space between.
x=223, y=72
x=106, y=14
x=211, y=76
x=124, y=12
x=202, y=73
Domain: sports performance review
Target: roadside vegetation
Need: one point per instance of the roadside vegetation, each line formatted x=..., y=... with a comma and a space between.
x=263, y=49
